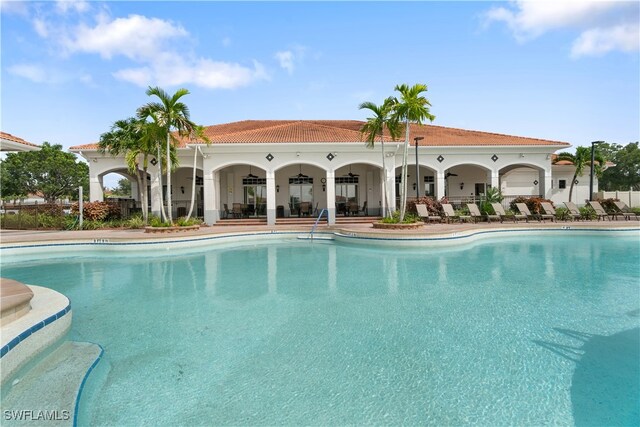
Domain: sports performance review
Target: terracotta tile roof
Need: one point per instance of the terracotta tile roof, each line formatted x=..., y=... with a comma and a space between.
x=346, y=131
x=9, y=137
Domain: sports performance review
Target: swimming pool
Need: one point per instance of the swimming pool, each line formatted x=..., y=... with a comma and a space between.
x=536, y=330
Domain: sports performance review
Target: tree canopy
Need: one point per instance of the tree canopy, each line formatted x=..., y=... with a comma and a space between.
x=626, y=172
x=50, y=173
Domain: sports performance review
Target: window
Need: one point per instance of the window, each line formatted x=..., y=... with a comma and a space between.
x=346, y=192
x=429, y=186
x=300, y=190
x=562, y=183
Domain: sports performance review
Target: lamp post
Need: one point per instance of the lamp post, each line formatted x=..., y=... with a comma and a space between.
x=416, y=139
x=593, y=152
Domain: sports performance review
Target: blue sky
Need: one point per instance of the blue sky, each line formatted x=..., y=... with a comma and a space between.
x=564, y=70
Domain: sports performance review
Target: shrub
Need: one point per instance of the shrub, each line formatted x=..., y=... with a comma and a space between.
x=184, y=222
x=155, y=221
x=97, y=211
x=533, y=203
x=433, y=206
x=587, y=212
x=409, y=218
x=562, y=214
x=135, y=221
x=609, y=205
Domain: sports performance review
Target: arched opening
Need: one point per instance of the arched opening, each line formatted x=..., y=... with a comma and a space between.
x=521, y=180
x=358, y=190
x=300, y=190
x=420, y=182
x=243, y=191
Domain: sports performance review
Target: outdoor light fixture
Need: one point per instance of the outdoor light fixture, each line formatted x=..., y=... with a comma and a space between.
x=462, y=185
x=324, y=184
x=182, y=189
x=593, y=152
x=415, y=186
x=278, y=188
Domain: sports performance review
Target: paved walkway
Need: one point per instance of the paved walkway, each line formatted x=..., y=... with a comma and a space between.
x=31, y=236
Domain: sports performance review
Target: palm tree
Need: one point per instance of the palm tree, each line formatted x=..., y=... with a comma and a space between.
x=582, y=159
x=374, y=126
x=170, y=114
x=127, y=136
x=200, y=136
x=411, y=108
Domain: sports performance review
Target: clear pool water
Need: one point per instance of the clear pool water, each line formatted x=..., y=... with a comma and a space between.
x=521, y=331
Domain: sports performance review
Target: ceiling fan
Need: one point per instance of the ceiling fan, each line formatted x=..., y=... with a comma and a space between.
x=450, y=174
x=250, y=174
x=350, y=174
x=301, y=175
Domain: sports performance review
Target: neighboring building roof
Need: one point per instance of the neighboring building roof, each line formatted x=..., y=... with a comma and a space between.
x=346, y=131
x=9, y=142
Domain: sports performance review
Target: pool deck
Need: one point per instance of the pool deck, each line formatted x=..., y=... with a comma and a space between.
x=33, y=236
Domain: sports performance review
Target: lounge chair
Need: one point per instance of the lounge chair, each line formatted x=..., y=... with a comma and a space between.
x=450, y=214
x=548, y=209
x=476, y=215
x=574, y=212
x=602, y=214
x=423, y=213
x=625, y=211
x=499, y=210
x=524, y=210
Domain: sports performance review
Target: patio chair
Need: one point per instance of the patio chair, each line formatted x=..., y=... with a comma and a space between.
x=574, y=212
x=424, y=214
x=548, y=209
x=626, y=211
x=305, y=208
x=237, y=210
x=364, y=209
x=352, y=208
x=602, y=214
x=522, y=207
x=226, y=212
x=476, y=215
x=450, y=214
x=546, y=215
x=499, y=210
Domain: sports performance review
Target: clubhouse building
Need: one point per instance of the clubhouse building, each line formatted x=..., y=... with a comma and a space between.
x=286, y=168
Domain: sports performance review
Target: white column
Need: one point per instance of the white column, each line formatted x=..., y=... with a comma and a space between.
x=494, y=178
x=331, y=197
x=440, y=182
x=135, y=191
x=155, y=193
x=96, y=192
x=271, y=197
x=391, y=185
x=545, y=177
x=211, y=184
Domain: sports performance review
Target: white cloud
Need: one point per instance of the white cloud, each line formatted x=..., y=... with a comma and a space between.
x=175, y=71
x=604, y=25
x=599, y=41
x=41, y=27
x=31, y=72
x=80, y=6
x=14, y=7
x=285, y=58
x=136, y=37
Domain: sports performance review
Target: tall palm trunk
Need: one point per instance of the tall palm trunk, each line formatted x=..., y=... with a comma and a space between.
x=193, y=183
x=387, y=209
x=169, y=205
x=163, y=214
x=144, y=196
x=403, y=178
x=575, y=176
